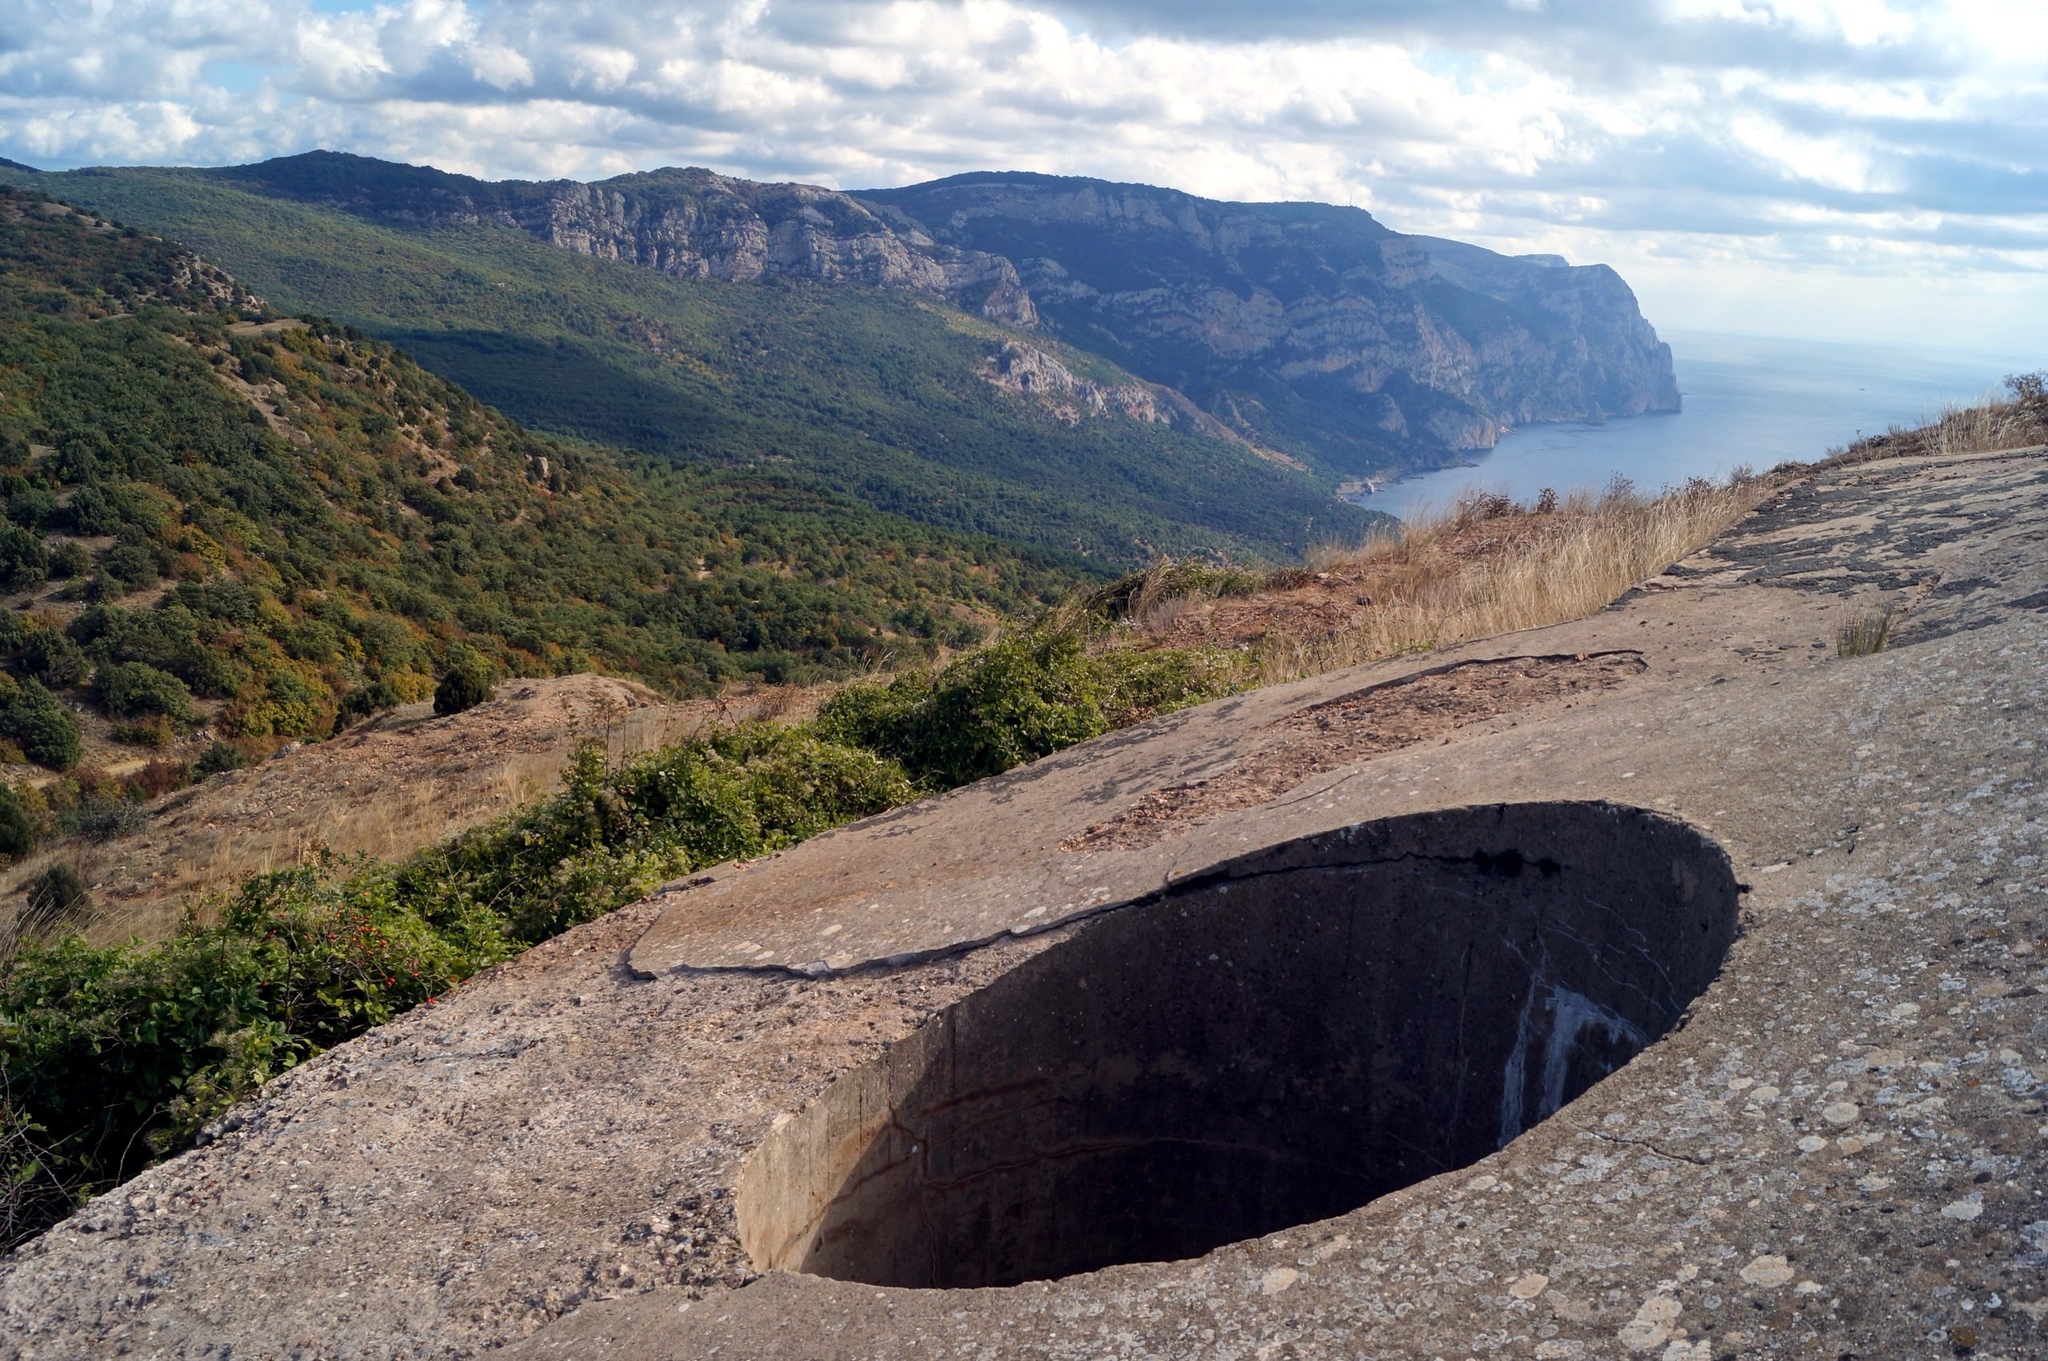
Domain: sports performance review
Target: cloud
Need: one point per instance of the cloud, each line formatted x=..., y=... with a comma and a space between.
x=1863, y=141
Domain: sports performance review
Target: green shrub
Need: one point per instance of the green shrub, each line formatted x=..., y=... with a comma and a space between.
x=23, y=560
x=53, y=659
x=373, y=697
x=17, y=828
x=1015, y=701
x=57, y=897
x=47, y=732
x=139, y=690
x=466, y=684
x=103, y=819
x=609, y=836
x=32, y=507
x=218, y=758
x=70, y=558
x=132, y=564
x=122, y=1053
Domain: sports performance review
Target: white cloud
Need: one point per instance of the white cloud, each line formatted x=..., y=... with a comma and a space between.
x=1896, y=144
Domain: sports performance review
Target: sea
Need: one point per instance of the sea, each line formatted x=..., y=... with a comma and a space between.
x=1748, y=401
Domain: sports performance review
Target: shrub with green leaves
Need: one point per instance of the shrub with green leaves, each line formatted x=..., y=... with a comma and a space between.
x=47, y=732
x=1017, y=700
x=122, y=1053
x=217, y=759
x=17, y=828
x=54, y=659
x=609, y=836
x=57, y=897
x=466, y=684
x=23, y=559
x=70, y=558
x=139, y=690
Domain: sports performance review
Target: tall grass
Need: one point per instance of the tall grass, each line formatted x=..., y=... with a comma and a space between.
x=1483, y=566
x=2015, y=419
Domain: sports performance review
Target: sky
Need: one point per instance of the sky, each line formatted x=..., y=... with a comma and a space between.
x=1831, y=169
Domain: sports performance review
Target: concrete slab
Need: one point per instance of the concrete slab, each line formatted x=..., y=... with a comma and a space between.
x=1837, y=1148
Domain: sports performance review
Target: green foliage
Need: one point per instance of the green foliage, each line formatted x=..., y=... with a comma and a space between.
x=610, y=836
x=138, y=690
x=56, y=897
x=851, y=396
x=385, y=517
x=53, y=659
x=17, y=828
x=125, y=1052
x=47, y=732
x=466, y=684
x=218, y=758
x=1018, y=700
x=122, y=1054
x=70, y=558
x=23, y=559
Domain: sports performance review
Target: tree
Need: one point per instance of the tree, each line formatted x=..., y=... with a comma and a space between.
x=466, y=684
x=17, y=829
x=45, y=728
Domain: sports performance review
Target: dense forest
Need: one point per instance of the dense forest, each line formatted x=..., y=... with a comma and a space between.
x=289, y=522
x=847, y=393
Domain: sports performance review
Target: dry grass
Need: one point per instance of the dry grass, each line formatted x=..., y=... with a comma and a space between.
x=2016, y=420
x=1866, y=634
x=384, y=789
x=1484, y=566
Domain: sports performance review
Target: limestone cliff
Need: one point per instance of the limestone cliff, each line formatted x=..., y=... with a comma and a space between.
x=1313, y=326
x=1299, y=327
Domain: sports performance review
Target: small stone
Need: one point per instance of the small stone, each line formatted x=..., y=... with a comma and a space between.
x=1809, y=1288
x=1812, y=1143
x=1852, y=1144
x=1483, y=1182
x=1651, y=1326
x=1964, y=1210
x=1840, y=1112
x=1767, y=1271
x=1905, y=1011
x=1682, y=1350
x=1530, y=1286
x=1278, y=1279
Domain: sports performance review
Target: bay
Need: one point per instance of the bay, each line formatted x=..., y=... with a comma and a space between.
x=1749, y=400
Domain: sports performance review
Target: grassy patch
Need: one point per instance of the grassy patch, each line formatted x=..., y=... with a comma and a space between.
x=1866, y=634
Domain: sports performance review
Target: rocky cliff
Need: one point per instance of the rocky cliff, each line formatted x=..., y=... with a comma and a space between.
x=1304, y=328
x=1314, y=327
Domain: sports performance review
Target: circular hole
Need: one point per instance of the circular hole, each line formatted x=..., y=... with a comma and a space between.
x=1294, y=1036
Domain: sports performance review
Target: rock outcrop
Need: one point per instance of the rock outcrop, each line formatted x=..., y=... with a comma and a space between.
x=1302, y=327
x=691, y=223
x=1314, y=326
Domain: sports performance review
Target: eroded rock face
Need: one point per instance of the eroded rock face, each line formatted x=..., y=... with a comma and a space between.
x=1387, y=345
x=1303, y=328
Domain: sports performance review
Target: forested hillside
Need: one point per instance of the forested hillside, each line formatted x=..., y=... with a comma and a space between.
x=873, y=395
x=270, y=523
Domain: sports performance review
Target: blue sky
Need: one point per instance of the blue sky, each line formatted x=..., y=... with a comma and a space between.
x=1851, y=169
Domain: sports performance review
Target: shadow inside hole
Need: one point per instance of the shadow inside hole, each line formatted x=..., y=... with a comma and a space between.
x=1296, y=1034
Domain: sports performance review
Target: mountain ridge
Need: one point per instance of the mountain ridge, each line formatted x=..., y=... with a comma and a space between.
x=1305, y=327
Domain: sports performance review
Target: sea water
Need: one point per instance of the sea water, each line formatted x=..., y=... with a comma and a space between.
x=1748, y=401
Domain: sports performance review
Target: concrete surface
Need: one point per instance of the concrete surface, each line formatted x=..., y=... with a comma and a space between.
x=1838, y=1149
